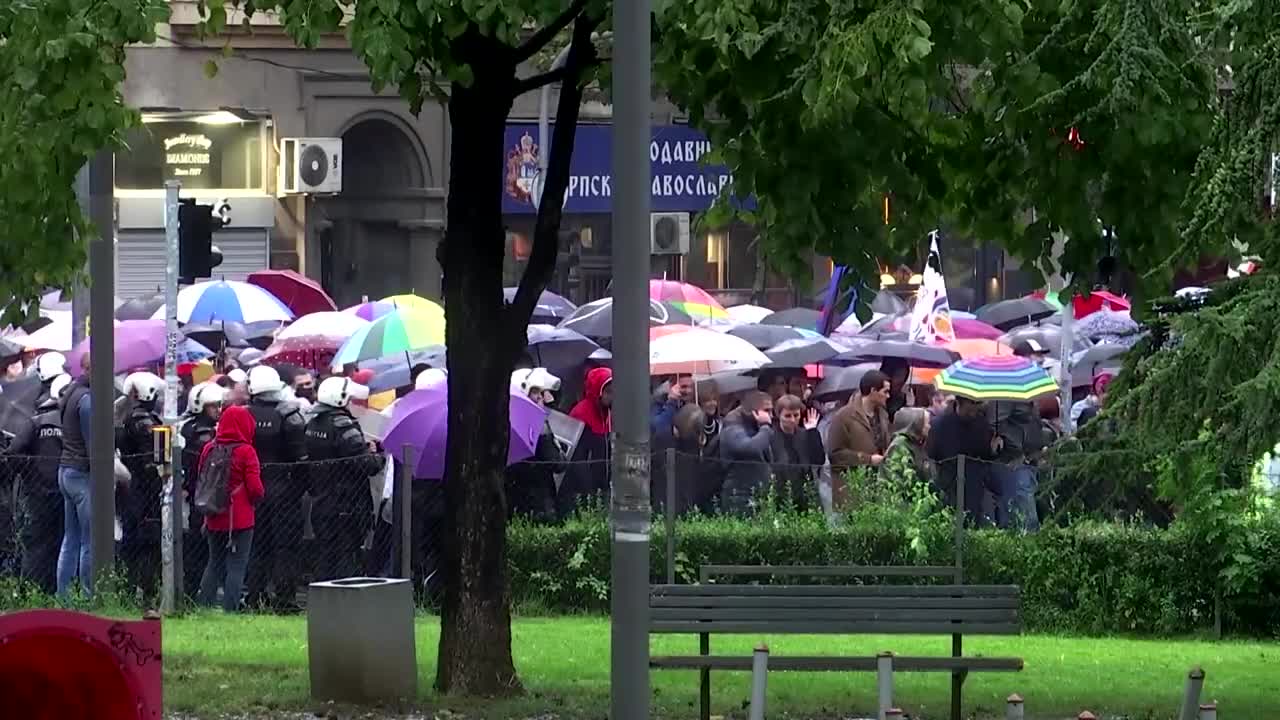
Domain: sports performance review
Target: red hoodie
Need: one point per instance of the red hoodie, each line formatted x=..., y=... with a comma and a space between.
x=237, y=426
x=589, y=410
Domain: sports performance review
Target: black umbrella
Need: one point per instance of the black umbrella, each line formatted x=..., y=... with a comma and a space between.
x=258, y=335
x=805, y=318
x=804, y=351
x=882, y=326
x=1047, y=335
x=141, y=307
x=9, y=349
x=551, y=308
x=842, y=382
x=1009, y=314
x=558, y=349
x=1101, y=357
x=917, y=354
x=394, y=371
x=762, y=337
x=595, y=320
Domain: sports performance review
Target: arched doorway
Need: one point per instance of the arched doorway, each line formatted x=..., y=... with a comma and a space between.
x=366, y=243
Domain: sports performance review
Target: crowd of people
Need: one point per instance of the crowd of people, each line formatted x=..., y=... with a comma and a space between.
x=283, y=486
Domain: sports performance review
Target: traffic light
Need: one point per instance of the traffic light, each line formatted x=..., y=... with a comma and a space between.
x=196, y=224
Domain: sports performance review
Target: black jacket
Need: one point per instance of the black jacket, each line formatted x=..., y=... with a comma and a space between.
x=746, y=450
x=796, y=459
x=531, y=485
x=35, y=451
x=280, y=436
x=75, y=451
x=340, y=464
x=139, y=503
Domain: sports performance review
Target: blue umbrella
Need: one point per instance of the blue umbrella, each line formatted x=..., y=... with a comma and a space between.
x=227, y=301
x=550, y=310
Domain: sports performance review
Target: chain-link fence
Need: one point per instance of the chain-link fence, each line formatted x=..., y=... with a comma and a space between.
x=334, y=519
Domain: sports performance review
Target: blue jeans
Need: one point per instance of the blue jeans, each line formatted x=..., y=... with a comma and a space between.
x=75, y=559
x=228, y=560
x=1018, y=485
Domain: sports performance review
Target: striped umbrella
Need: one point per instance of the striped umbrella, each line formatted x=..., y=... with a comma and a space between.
x=698, y=303
x=402, y=331
x=414, y=302
x=227, y=301
x=370, y=310
x=999, y=377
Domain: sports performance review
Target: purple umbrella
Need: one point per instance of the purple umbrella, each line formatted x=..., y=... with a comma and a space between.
x=420, y=420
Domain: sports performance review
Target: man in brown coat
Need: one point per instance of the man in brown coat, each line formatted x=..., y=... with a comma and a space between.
x=859, y=433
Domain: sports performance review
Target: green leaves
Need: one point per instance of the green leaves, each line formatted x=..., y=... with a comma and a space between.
x=61, y=64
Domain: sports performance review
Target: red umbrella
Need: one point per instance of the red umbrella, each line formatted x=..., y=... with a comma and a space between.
x=1098, y=300
x=300, y=293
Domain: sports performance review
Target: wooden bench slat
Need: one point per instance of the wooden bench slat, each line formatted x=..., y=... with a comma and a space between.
x=837, y=664
x=870, y=603
x=833, y=615
x=829, y=570
x=795, y=627
x=716, y=591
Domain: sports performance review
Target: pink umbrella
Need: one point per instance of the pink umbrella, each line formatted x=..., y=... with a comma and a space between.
x=371, y=310
x=975, y=330
x=300, y=293
x=678, y=292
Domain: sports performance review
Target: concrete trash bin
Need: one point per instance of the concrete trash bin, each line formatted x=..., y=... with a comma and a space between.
x=360, y=640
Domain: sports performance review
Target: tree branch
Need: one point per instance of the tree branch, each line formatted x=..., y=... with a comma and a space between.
x=524, y=85
x=546, y=240
x=548, y=32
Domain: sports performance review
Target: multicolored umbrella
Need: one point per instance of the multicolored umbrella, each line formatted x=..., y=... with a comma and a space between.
x=300, y=293
x=695, y=301
x=414, y=302
x=551, y=308
x=420, y=420
x=227, y=301
x=1000, y=377
x=402, y=331
x=370, y=311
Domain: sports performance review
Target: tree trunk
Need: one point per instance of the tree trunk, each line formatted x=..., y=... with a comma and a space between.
x=475, y=626
x=759, y=280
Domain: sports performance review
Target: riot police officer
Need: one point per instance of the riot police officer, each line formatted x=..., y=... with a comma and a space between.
x=197, y=428
x=342, y=462
x=34, y=455
x=280, y=439
x=138, y=505
x=49, y=366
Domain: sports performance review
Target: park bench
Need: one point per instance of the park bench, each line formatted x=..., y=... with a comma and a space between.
x=957, y=610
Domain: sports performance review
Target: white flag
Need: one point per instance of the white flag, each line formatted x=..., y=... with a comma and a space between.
x=931, y=316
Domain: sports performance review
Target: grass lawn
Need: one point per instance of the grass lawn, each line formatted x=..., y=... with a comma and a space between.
x=217, y=664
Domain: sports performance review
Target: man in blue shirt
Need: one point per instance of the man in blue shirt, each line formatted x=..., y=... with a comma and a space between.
x=75, y=559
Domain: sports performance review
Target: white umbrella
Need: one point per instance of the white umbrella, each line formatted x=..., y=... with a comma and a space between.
x=748, y=313
x=696, y=351
x=330, y=324
x=54, y=336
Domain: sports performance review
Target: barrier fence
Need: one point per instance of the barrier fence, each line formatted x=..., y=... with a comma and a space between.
x=333, y=519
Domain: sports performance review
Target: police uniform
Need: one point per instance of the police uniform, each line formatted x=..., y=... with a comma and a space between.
x=279, y=438
x=196, y=431
x=342, y=509
x=138, y=505
x=33, y=462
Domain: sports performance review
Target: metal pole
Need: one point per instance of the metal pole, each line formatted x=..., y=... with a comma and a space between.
x=759, y=681
x=884, y=683
x=632, y=77
x=544, y=131
x=1191, y=694
x=170, y=523
x=102, y=496
x=1209, y=711
x=670, y=516
x=1064, y=367
x=404, y=492
x=80, y=296
x=1014, y=708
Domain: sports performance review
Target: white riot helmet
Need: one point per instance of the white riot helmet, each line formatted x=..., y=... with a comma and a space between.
x=144, y=385
x=56, y=388
x=203, y=395
x=338, y=392
x=50, y=365
x=238, y=376
x=430, y=377
x=263, y=379
x=525, y=380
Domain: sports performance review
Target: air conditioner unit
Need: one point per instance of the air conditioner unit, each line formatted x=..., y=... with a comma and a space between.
x=310, y=166
x=669, y=233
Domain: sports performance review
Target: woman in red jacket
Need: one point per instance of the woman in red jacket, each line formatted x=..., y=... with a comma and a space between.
x=230, y=533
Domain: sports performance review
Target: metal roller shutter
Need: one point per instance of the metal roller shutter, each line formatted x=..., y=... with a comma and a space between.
x=140, y=257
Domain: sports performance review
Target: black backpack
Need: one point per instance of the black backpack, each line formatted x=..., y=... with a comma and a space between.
x=213, y=487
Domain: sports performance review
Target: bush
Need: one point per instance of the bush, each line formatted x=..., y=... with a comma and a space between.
x=1092, y=578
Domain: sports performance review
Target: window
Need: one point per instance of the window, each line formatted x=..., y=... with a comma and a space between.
x=217, y=151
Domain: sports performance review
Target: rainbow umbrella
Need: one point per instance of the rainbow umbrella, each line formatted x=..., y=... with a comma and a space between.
x=401, y=331
x=998, y=377
x=414, y=302
x=693, y=300
x=370, y=310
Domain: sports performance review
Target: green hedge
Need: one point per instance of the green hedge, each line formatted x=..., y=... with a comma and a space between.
x=1090, y=578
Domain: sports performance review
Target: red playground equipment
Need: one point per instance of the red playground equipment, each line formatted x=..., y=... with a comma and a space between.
x=60, y=665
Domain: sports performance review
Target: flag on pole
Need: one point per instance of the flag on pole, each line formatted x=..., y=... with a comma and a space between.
x=837, y=304
x=931, y=316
